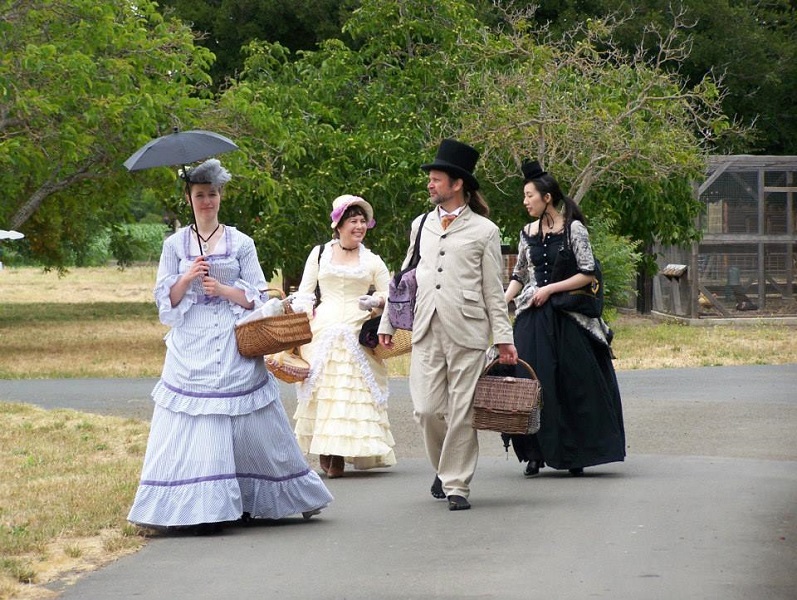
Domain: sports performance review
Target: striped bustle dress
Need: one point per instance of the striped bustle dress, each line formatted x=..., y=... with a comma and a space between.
x=220, y=442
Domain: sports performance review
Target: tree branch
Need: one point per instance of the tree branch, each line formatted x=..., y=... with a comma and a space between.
x=47, y=189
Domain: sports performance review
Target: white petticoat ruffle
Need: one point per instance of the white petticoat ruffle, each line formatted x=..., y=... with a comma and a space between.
x=332, y=335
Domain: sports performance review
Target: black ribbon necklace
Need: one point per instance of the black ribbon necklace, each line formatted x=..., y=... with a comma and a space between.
x=205, y=240
x=547, y=220
x=342, y=247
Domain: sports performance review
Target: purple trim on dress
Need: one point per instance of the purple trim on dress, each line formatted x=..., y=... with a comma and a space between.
x=223, y=477
x=274, y=479
x=186, y=481
x=177, y=390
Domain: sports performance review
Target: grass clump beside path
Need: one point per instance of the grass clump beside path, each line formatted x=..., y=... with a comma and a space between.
x=67, y=480
x=645, y=343
x=97, y=339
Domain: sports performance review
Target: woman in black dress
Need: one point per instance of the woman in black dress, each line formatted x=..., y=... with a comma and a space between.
x=582, y=418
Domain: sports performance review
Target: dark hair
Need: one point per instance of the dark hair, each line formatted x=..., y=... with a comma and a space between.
x=354, y=210
x=477, y=203
x=474, y=199
x=547, y=184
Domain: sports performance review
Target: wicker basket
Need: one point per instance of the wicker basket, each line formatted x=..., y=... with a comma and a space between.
x=273, y=334
x=402, y=343
x=507, y=404
x=288, y=366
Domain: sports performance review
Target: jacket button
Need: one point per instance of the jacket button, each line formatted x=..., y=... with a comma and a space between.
x=442, y=252
x=437, y=286
x=440, y=270
x=444, y=236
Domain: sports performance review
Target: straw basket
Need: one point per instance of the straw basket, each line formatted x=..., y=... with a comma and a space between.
x=402, y=343
x=273, y=334
x=288, y=366
x=507, y=404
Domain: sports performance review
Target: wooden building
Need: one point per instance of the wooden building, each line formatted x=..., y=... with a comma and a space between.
x=744, y=265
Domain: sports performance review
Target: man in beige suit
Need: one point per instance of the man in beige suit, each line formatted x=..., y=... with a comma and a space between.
x=459, y=311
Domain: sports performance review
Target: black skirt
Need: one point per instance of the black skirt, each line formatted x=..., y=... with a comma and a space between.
x=582, y=415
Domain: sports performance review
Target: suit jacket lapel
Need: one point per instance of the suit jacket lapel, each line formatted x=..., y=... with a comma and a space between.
x=434, y=224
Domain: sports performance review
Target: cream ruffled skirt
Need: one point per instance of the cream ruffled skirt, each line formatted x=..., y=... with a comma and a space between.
x=338, y=412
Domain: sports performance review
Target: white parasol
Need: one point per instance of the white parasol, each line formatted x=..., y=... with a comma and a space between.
x=11, y=235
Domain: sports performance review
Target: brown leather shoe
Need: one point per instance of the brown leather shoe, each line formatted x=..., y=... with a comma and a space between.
x=336, y=466
x=324, y=459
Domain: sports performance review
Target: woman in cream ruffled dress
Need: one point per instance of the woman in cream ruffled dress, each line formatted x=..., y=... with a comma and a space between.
x=342, y=410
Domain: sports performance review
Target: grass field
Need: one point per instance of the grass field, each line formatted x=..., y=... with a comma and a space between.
x=103, y=323
x=67, y=479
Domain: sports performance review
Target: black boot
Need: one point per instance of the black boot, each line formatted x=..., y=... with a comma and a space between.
x=437, y=488
x=533, y=468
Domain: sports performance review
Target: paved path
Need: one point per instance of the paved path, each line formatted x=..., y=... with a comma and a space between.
x=704, y=507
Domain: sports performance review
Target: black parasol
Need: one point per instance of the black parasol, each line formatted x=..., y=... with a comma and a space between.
x=179, y=149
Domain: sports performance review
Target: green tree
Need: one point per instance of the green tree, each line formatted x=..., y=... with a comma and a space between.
x=606, y=122
x=749, y=44
x=752, y=45
x=83, y=83
x=226, y=27
x=596, y=112
x=339, y=120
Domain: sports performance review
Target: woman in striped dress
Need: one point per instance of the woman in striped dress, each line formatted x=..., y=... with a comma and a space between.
x=220, y=446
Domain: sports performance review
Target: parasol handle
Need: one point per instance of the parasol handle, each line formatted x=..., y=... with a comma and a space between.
x=191, y=203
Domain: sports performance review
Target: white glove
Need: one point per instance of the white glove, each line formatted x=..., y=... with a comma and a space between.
x=368, y=302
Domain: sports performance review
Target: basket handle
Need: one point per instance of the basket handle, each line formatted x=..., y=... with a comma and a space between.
x=280, y=293
x=286, y=305
x=280, y=356
x=520, y=362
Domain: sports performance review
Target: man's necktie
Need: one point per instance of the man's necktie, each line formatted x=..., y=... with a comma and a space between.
x=445, y=220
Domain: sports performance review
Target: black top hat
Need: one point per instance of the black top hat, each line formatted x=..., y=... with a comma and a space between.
x=531, y=170
x=456, y=159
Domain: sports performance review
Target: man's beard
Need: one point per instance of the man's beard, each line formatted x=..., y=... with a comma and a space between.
x=438, y=199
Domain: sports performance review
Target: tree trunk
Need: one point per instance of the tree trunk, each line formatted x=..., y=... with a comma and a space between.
x=39, y=196
x=31, y=206
x=290, y=283
x=644, y=287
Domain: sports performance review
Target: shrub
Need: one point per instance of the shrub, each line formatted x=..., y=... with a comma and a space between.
x=125, y=243
x=138, y=242
x=619, y=259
